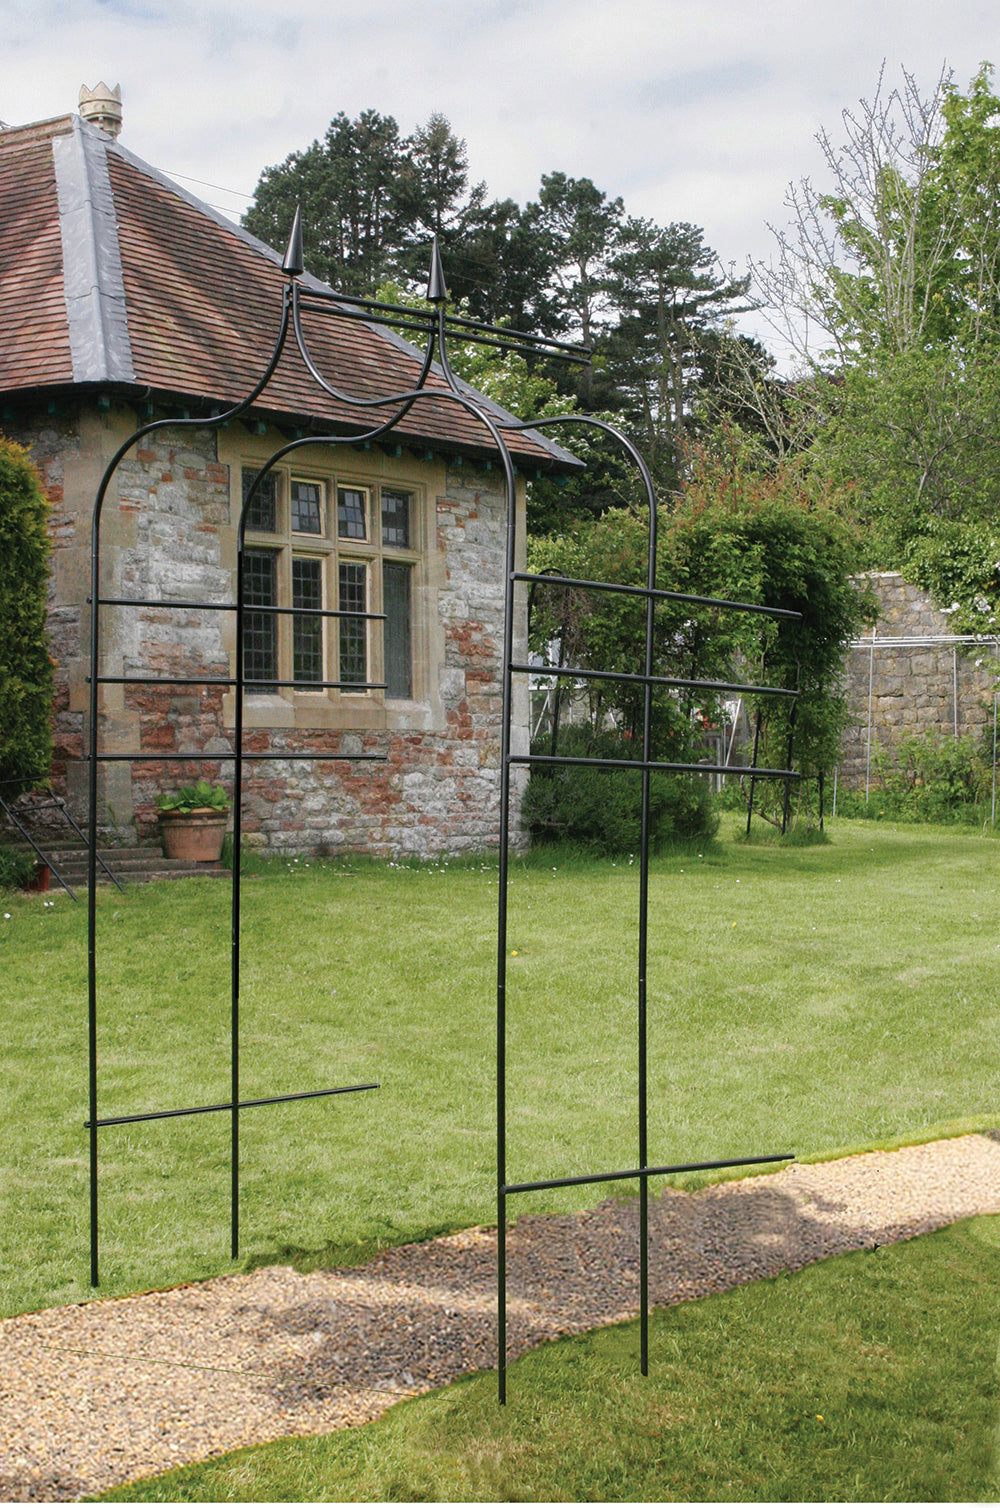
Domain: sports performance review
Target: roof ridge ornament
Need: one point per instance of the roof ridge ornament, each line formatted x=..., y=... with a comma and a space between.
x=102, y=107
x=437, y=288
x=294, y=263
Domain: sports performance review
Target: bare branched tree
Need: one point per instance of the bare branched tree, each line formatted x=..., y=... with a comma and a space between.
x=864, y=261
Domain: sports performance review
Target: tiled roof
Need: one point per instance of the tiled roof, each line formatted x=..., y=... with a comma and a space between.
x=111, y=274
x=34, y=344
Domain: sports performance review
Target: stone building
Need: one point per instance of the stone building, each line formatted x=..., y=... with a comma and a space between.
x=912, y=675
x=123, y=298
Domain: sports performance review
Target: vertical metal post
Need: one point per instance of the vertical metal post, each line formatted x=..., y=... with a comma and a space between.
x=786, y=804
x=993, y=800
x=501, y=1021
x=95, y=628
x=557, y=707
x=753, y=766
x=643, y=1117
x=954, y=686
x=234, y=1015
x=868, y=747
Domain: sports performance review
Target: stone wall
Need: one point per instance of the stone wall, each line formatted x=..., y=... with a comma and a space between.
x=913, y=686
x=438, y=790
x=167, y=531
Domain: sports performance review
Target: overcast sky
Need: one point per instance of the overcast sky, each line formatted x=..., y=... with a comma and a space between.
x=695, y=110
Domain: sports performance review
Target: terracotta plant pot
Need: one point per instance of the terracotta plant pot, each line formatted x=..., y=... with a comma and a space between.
x=40, y=879
x=194, y=836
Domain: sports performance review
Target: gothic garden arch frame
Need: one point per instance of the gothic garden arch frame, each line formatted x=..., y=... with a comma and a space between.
x=381, y=415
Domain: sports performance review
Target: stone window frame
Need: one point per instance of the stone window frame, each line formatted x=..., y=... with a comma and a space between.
x=332, y=550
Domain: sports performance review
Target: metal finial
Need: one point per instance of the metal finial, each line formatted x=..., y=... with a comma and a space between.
x=294, y=263
x=437, y=289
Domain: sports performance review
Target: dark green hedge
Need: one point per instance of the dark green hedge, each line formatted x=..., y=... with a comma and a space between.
x=600, y=810
x=25, y=663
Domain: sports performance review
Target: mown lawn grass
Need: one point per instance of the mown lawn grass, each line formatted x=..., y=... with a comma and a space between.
x=801, y=1000
x=865, y=1378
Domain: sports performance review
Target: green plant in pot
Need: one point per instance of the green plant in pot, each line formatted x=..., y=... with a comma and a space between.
x=193, y=822
x=18, y=871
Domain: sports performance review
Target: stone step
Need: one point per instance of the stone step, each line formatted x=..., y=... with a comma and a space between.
x=130, y=865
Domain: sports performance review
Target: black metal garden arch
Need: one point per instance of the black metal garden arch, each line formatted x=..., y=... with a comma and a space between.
x=436, y=325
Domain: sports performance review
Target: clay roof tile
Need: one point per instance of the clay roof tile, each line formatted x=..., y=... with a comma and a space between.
x=110, y=273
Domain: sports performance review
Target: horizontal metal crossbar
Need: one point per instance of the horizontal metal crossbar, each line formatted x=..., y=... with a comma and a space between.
x=656, y=764
x=653, y=680
x=495, y=342
x=657, y=595
x=193, y=680
x=454, y=323
x=274, y=1099
x=145, y=757
x=659, y=1172
x=215, y=607
x=232, y=607
x=523, y=337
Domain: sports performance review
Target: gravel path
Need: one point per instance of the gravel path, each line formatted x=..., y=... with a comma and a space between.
x=96, y=1394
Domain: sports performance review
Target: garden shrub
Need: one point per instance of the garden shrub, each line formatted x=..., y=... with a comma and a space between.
x=16, y=868
x=767, y=539
x=925, y=778
x=25, y=663
x=600, y=811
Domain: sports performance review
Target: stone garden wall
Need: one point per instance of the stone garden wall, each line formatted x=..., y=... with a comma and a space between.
x=923, y=687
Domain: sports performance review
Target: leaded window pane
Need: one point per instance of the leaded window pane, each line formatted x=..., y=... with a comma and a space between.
x=396, y=519
x=262, y=511
x=307, y=517
x=260, y=630
x=352, y=507
x=307, y=631
x=396, y=580
x=353, y=631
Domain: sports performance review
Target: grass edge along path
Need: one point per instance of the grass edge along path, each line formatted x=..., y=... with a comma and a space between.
x=966, y=1125
x=865, y=1377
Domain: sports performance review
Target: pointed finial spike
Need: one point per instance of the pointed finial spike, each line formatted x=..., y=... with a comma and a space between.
x=294, y=263
x=437, y=290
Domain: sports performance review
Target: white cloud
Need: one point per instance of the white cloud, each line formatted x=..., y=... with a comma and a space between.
x=692, y=111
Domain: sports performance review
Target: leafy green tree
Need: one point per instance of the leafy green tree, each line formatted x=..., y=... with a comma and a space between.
x=902, y=253
x=967, y=170
x=348, y=187
x=25, y=663
x=916, y=436
x=580, y=224
x=670, y=302
x=503, y=268
x=899, y=268
x=434, y=180
x=739, y=535
x=779, y=538
x=649, y=300
x=371, y=200
x=574, y=225
x=958, y=562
